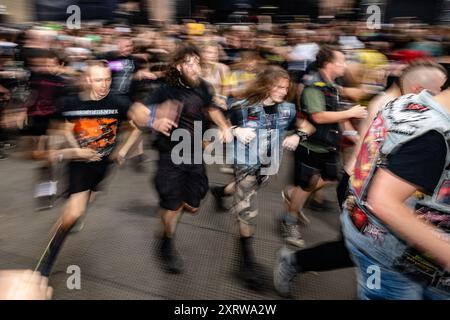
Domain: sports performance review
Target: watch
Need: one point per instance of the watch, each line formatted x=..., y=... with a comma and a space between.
x=303, y=135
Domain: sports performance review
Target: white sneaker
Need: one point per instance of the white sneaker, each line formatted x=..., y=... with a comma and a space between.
x=284, y=272
x=291, y=234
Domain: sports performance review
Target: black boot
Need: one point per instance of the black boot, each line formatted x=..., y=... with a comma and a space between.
x=46, y=264
x=219, y=195
x=249, y=269
x=173, y=262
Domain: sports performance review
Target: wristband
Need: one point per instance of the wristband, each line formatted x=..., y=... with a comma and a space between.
x=303, y=135
x=350, y=133
x=152, y=116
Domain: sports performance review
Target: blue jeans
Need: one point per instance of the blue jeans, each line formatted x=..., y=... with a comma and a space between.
x=391, y=284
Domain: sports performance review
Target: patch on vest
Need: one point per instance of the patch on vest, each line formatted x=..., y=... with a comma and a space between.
x=285, y=113
x=320, y=84
x=422, y=269
x=368, y=154
x=415, y=107
x=435, y=217
x=406, y=120
x=443, y=196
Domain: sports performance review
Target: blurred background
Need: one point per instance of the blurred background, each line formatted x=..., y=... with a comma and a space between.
x=41, y=60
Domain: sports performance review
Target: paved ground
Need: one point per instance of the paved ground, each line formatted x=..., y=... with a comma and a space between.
x=116, y=249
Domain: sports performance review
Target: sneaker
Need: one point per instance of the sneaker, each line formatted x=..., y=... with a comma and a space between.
x=291, y=234
x=301, y=216
x=172, y=260
x=45, y=195
x=284, y=272
x=8, y=146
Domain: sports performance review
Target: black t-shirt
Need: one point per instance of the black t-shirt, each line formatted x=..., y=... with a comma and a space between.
x=272, y=115
x=194, y=105
x=420, y=161
x=140, y=90
x=271, y=109
x=96, y=122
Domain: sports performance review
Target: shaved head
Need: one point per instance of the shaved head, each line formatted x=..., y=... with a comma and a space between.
x=429, y=76
x=98, y=77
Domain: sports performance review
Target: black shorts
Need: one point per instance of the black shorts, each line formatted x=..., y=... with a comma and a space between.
x=84, y=176
x=176, y=184
x=309, y=165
